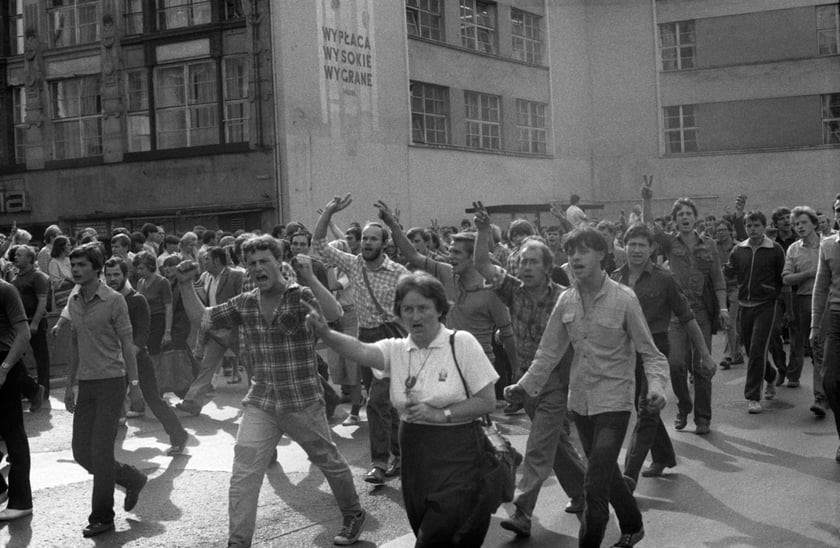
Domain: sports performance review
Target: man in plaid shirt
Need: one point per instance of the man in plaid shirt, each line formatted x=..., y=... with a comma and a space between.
x=382, y=275
x=286, y=394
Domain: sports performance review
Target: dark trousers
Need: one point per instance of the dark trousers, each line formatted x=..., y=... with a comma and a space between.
x=41, y=353
x=831, y=367
x=383, y=419
x=601, y=436
x=94, y=431
x=157, y=326
x=756, y=323
x=17, y=445
x=650, y=433
x=799, y=331
x=160, y=408
x=777, y=342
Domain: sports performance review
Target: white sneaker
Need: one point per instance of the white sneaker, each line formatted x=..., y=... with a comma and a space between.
x=753, y=407
x=770, y=390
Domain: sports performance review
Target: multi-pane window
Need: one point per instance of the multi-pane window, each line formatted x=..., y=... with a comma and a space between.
x=186, y=105
x=483, y=120
x=478, y=25
x=237, y=107
x=174, y=14
x=233, y=9
x=19, y=107
x=677, y=45
x=423, y=18
x=530, y=122
x=828, y=29
x=15, y=27
x=73, y=22
x=137, y=106
x=429, y=113
x=76, y=117
x=527, y=37
x=133, y=10
x=680, y=129
x=831, y=118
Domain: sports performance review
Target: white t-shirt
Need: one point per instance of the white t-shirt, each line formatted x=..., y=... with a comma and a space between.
x=438, y=383
x=576, y=216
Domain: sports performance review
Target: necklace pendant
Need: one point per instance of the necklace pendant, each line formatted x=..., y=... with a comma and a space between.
x=410, y=381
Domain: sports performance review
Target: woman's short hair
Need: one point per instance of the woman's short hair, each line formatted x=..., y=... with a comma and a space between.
x=172, y=260
x=59, y=246
x=427, y=286
x=91, y=251
x=145, y=258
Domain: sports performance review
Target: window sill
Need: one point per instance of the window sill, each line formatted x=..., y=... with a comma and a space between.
x=186, y=152
x=458, y=148
x=181, y=32
x=74, y=163
x=10, y=169
x=477, y=52
x=749, y=64
x=769, y=150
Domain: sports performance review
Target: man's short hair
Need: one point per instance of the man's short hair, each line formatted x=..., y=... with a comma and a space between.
x=148, y=228
x=520, y=226
x=120, y=230
x=680, y=203
x=805, y=210
x=354, y=231
x=414, y=231
x=586, y=237
x=208, y=237
x=380, y=226
x=724, y=222
x=122, y=240
x=574, y=199
x=216, y=253
x=117, y=261
x=145, y=258
x=91, y=251
x=780, y=213
x=27, y=250
x=538, y=244
x=639, y=230
x=756, y=216
x=171, y=239
x=609, y=226
x=305, y=233
x=172, y=260
x=51, y=232
x=263, y=242
x=467, y=238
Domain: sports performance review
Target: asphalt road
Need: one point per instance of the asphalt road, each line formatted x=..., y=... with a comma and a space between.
x=767, y=480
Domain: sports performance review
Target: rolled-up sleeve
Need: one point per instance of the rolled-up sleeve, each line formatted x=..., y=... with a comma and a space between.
x=332, y=255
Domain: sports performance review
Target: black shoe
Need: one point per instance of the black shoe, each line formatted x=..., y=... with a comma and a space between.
x=726, y=363
x=393, y=471
x=818, y=408
x=655, y=469
x=97, y=528
x=780, y=379
x=575, y=505
x=702, y=429
x=680, y=421
x=376, y=476
x=188, y=406
x=628, y=540
x=132, y=494
x=37, y=400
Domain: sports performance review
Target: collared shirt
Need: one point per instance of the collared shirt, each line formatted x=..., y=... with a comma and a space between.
x=658, y=294
x=690, y=267
x=138, y=314
x=282, y=351
x=11, y=313
x=383, y=282
x=827, y=283
x=801, y=257
x=97, y=326
x=605, y=339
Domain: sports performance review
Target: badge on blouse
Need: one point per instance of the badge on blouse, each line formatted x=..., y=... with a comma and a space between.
x=442, y=376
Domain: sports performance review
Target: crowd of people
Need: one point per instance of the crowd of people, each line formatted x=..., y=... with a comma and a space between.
x=429, y=329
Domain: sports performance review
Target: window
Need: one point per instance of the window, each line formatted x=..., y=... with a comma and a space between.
x=138, y=126
x=423, y=18
x=478, y=25
x=175, y=14
x=831, y=118
x=134, y=16
x=429, y=113
x=237, y=107
x=483, y=117
x=19, y=107
x=186, y=110
x=676, y=45
x=233, y=10
x=680, y=129
x=77, y=118
x=527, y=37
x=530, y=121
x=15, y=27
x=73, y=22
x=828, y=29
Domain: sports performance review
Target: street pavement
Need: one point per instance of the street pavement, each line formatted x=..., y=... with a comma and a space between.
x=767, y=480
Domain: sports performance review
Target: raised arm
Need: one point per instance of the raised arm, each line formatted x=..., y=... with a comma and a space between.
x=332, y=207
x=192, y=304
x=403, y=244
x=481, y=253
x=366, y=354
x=329, y=305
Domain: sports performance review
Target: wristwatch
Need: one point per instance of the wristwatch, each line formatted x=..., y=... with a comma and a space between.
x=135, y=382
x=448, y=414
x=6, y=365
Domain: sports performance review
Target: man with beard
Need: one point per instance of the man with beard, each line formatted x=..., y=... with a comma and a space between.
x=116, y=275
x=531, y=298
x=373, y=277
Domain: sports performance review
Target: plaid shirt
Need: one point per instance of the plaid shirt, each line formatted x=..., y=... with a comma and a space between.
x=383, y=282
x=282, y=352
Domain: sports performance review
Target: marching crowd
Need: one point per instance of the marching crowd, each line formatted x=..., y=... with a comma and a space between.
x=429, y=329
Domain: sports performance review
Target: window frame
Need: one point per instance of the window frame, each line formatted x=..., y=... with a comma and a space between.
x=471, y=28
x=132, y=10
x=193, y=111
x=422, y=117
x=681, y=129
x=243, y=100
x=86, y=83
x=830, y=120
x=489, y=131
x=200, y=12
x=427, y=22
x=142, y=94
x=76, y=30
x=831, y=31
x=16, y=27
x=19, y=122
x=682, y=62
x=529, y=130
x=521, y=36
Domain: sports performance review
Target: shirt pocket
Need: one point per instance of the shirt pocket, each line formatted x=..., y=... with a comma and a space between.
x=568, y=319
x=287, y=323
x=608, y=330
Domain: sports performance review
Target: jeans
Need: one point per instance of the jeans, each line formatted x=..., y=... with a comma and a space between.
x=756, y=329
x=601, y=436
x=549, y=447
x=17, y=444
x=159, y=407
x=682, y=358
x=383, y=419
x=214, y=356
x=94, y=432
x=799, y=331
x=257, y=439
x=733, y=337
x=831, y=366
x=41, y=353
x=649, y=433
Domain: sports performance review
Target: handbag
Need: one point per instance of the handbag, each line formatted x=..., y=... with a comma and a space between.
x=173, y=371
x=394, y=330
x=500, y=459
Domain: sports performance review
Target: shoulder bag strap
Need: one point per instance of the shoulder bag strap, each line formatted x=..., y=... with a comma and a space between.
x=486, y=419
x=372, y=296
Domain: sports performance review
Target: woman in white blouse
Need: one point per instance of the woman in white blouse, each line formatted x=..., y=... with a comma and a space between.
x=440, y=439
x=61, y=275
